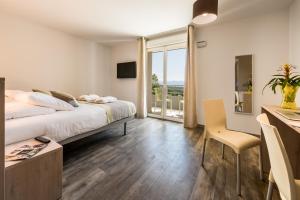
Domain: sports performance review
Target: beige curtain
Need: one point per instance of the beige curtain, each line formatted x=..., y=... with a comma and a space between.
x=141, y=79
x=190, y=111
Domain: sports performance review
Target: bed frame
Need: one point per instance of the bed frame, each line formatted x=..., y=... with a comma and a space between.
x=99, y=130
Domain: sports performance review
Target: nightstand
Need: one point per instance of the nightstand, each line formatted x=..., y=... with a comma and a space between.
x=39, y=177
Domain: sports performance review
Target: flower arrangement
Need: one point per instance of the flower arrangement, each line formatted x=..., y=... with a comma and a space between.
x=289, y=81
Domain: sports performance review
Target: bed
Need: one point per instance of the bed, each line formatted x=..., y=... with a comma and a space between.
x=68, y=126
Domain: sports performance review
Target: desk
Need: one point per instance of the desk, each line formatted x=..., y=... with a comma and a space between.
x=290, y=136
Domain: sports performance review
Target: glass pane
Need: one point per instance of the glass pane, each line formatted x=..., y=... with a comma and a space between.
x=176, y=61
x=157, y=79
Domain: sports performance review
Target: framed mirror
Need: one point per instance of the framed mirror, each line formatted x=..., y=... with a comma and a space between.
x=243, y=84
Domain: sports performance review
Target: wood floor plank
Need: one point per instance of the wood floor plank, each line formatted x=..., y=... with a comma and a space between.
x=79, y=188
x=156, y=160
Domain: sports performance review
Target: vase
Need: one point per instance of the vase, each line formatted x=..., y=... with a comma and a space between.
x=289, y=93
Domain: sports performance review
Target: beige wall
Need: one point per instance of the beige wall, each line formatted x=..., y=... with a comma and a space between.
x=295, y=33
x=295, y=37
x=266, y=37
x=125, y=89
x=34, y=56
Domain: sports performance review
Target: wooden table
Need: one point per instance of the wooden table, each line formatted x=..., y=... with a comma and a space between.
x=290, y=136
x=39, y=177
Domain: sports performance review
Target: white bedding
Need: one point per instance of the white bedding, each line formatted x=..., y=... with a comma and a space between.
x=58, y=126
x=115, y=110
x=14, y=109
x=40, y=99
x=93, y=98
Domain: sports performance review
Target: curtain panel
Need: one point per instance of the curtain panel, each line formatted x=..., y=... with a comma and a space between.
x=141, y=79
x=190, y=111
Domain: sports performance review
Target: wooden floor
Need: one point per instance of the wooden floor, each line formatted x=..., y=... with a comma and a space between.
x=156, y=160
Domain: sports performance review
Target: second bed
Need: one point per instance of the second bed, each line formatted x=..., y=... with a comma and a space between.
x=67, y=126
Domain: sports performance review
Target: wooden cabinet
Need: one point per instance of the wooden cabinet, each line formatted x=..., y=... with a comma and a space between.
x=2, y=133
x=39, y=177
x=290, y=136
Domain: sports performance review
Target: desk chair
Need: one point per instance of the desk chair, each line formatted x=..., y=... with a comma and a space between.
x=215, y=128
x=281, y=171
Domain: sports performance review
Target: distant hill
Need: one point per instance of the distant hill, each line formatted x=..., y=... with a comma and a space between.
x=174, y=83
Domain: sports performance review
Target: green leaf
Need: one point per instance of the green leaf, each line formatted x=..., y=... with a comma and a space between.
x=269, y=83
x=274, y=87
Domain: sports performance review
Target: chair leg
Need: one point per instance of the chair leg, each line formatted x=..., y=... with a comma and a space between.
x=223, y=148
x=203, y=152
x=261, y=173
x=125, y=128
x=238, y=174
x=270, y=190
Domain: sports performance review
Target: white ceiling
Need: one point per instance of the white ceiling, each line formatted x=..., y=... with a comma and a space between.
x=120, y=20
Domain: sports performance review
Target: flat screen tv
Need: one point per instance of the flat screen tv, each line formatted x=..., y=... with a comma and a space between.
x=126, y=70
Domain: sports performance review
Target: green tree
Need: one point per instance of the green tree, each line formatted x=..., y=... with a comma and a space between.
x=155, y=83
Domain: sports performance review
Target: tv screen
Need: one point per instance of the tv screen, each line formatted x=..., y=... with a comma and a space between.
x=126, y=70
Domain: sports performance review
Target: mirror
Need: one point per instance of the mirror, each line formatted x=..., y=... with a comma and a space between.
x=243, y=84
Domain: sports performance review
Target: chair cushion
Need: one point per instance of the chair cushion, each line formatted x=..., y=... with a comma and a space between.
x=297, y=188
x=238, y=141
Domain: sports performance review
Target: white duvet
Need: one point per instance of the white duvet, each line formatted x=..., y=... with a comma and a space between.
x=14, y=109
x=58, y=125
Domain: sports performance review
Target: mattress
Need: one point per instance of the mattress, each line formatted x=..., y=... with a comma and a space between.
x=65, y=124
x=116, y=110
x=121, y=109
x=58, y=126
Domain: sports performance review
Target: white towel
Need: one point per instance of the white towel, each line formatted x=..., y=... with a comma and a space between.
x=93, y=98
x=108, y=99
x=89, y=98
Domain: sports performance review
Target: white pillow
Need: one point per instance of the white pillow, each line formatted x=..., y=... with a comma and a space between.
x=8, y=99
x=15, y=109
x=12, y=93
x=44, y=100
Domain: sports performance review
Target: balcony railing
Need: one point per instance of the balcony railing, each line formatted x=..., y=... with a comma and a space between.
x=174, y=100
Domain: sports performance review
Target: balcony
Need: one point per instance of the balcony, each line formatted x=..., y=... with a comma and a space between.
x=174, y=101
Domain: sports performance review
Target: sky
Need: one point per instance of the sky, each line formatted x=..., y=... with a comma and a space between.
x=176, y=60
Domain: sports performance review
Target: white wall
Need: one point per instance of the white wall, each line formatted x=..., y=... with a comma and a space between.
x=34, y=56
x=167, y=40
x=125, y=89
x=101, y=71
x=266, y=37
x=295, y=33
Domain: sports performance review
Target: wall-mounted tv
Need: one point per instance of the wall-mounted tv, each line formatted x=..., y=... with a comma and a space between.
x=126, y=70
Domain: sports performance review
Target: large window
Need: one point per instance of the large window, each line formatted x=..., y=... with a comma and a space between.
x=167, y=69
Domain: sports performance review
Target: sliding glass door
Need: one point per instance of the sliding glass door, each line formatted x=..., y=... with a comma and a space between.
x=166, y=69
x=157, y=84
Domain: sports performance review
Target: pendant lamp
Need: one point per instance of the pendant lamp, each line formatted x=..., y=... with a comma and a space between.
x=205, y=11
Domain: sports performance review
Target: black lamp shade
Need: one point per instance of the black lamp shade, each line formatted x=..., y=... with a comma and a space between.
x=205, y=11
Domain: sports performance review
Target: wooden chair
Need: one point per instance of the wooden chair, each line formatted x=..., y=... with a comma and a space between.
x=216, y=128
x=169, y=101
x=158, y=98
x=180, y=102
x=238, y=104
x=281, y=171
